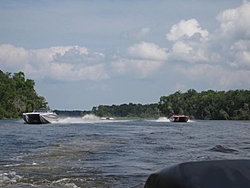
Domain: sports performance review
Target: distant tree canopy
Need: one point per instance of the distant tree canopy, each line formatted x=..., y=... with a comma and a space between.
x=127, y=110
x=17, y=95
x=207, y=105
x=216, y=105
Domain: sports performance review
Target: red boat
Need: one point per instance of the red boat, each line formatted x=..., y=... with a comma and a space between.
x=179, y=118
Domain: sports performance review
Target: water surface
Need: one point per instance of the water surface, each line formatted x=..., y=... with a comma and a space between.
x=80, y=152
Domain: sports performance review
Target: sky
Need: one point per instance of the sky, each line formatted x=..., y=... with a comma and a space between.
x=85, y=53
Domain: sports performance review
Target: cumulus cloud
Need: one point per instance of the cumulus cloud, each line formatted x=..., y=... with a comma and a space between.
x=13, y=56
x=64, y=63
x=146, y=50
x=141, y=67
x=234, y=23
x=234, y=34
x=68, y=72
x=144, y=59
x=75, y=63
x=193, y=44
x=216, y=75
x=186, y=29
x=241, y=55
x=190, y=43
x=189, y=51
x=221, y=57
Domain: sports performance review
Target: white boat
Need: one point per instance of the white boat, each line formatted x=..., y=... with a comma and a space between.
x=40, y=117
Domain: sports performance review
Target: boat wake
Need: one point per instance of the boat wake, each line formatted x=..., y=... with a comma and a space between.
x=160, y=119
x=70, y=120
x=89, y=118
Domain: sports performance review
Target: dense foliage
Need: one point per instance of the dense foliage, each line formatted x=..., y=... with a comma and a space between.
x=17, y=95
x=220, y=105
x=127, y=110
x=71, y=113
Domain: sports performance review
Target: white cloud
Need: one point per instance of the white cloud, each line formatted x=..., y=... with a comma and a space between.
x=65, y=63
x=63, y=49
x=149, y=51
x=141, y=67
x=186, y=28
x=75, y=63
x=190, y=43
x=13, y=56
x=222, y=58
x=68, y=72
x=144, y=59
x=235, y=23
x=240, y=55
x=234, y=34
x=215, y=75
x=227, y=46
x=193, y=51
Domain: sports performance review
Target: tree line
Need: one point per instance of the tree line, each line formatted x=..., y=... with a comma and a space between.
x=17, y=95
x=208, y=105
x=124, y=110
x=127, y=110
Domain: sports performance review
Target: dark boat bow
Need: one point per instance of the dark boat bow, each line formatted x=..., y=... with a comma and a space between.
x=179, y=118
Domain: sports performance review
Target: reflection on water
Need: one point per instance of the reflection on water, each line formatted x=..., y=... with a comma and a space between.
x=94, y=152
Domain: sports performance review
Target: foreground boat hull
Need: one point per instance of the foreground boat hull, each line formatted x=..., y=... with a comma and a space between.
x=204, y=174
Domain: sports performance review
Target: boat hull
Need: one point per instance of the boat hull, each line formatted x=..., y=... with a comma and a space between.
x=40, y=118
x=179, y=118
x=213, y=174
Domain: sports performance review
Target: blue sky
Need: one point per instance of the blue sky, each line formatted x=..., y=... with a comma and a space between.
x=87, y=53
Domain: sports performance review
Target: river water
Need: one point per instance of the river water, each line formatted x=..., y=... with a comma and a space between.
x=88, y=152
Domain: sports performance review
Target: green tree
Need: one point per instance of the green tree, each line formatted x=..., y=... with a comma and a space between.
x=207, y=104
x=18, y=95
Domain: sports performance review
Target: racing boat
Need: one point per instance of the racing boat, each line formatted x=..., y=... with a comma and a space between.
x=40, y=117
x=179, y=118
